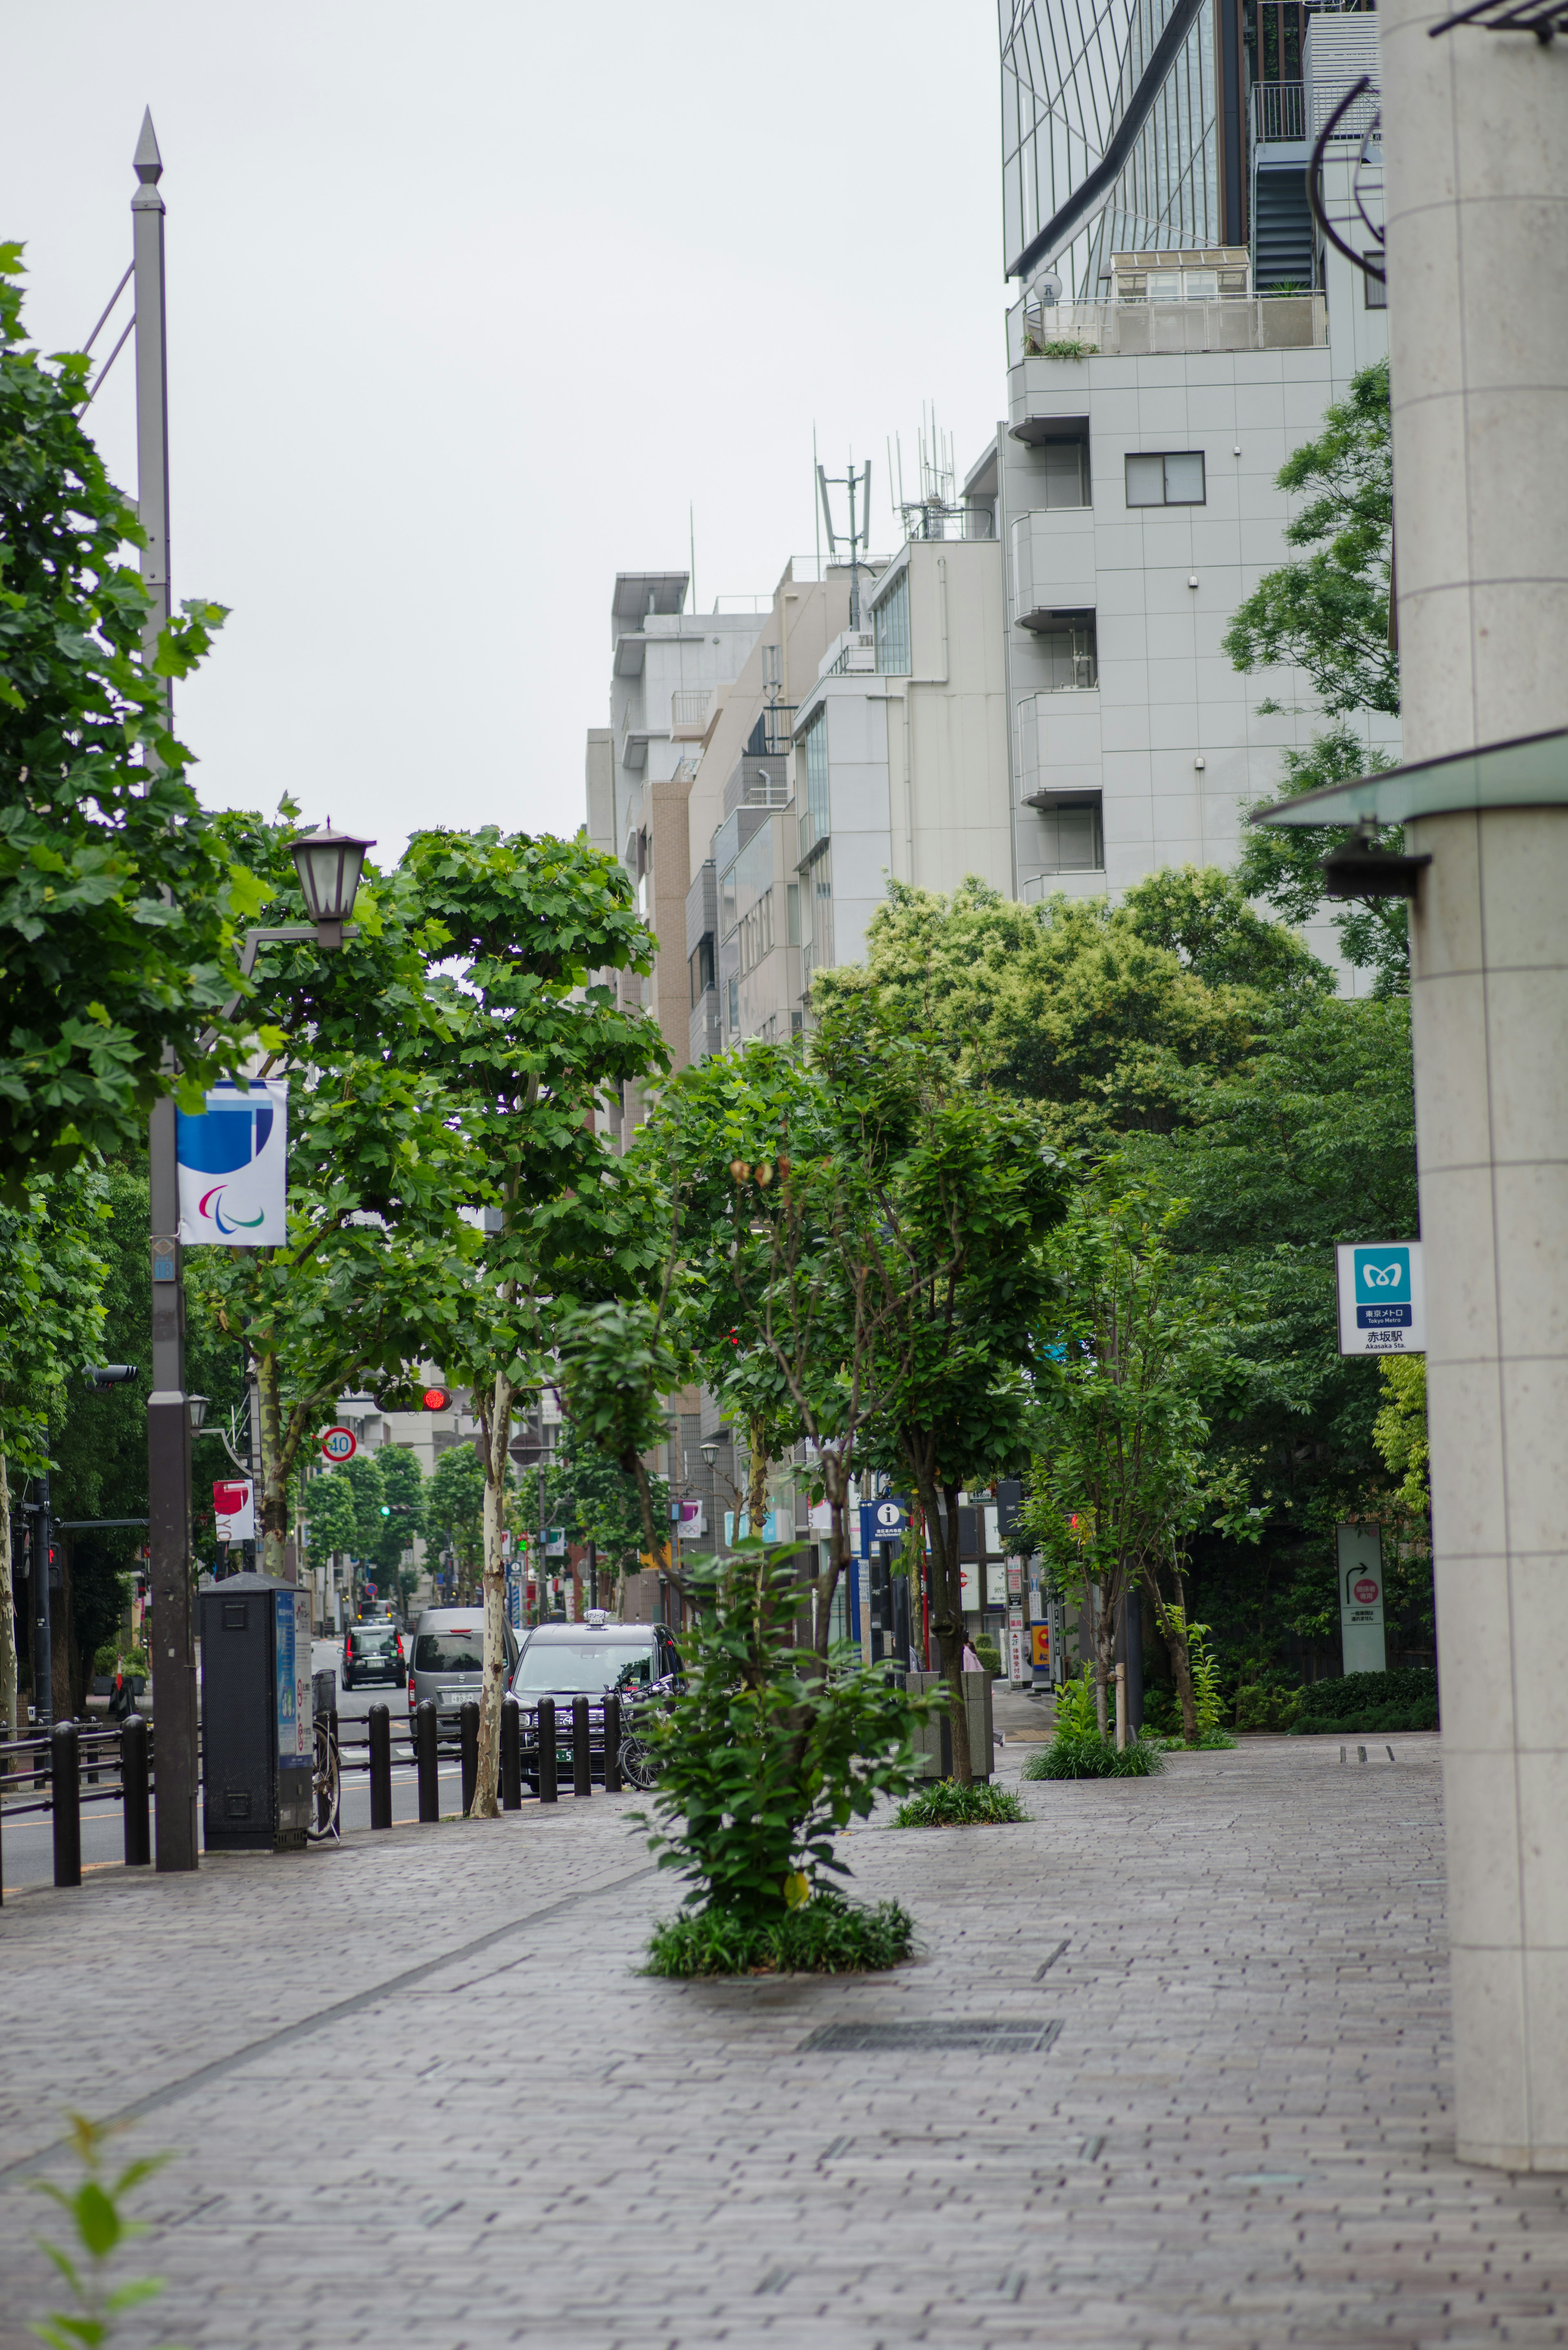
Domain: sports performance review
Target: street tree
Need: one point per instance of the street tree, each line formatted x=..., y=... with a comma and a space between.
x=333, y=1515
x=588, y=1493
x=119, y=900
x=454, y=1510
x=403, y=1497
x=540, y=1042
x=51, y=1315
x=1122, y=1475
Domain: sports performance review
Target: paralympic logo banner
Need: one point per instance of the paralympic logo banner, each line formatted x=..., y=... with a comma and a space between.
x=233, y=1168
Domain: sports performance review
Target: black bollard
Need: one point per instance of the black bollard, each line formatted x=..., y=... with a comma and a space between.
x=467, y=1722
x=429, y=1769
x=65, y=1789
x=612, y=1745
x=545, y=1734
x=134, y=1791
x=582, y=1779
x=511, y=1754
x=381, y=1767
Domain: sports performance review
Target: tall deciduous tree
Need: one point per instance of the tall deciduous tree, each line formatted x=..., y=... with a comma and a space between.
x=118, y=898
x=528, y=923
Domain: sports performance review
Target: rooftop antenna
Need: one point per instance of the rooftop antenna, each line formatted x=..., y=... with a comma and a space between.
x=815, y=509
x=859, y=531
x=691, y=527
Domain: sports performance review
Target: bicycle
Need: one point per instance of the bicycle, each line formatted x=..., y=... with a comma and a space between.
x=326, y=1784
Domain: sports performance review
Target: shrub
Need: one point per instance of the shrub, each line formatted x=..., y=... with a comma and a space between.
x=947, y=1804
x=1077, y=1754
x=1257, y=1707
x=1405, y=1699
x=759, y=1763
x=989, y=1656
x=824, y=1936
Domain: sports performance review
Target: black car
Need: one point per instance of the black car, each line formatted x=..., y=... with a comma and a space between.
x=564, y=1661
x=372, y=1652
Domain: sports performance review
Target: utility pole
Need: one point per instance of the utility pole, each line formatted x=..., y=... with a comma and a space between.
x=172, y=1649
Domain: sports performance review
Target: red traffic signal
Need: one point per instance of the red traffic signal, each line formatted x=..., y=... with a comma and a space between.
x=437, y=1399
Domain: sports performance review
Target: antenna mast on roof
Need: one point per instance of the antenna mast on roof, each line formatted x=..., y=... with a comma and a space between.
x=858, y=534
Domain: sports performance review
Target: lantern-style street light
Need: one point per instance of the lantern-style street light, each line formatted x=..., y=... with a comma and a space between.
x=329, y=865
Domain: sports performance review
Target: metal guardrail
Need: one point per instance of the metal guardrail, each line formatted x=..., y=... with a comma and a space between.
x=1279, y=110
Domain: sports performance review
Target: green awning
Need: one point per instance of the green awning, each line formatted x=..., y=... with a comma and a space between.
x=1530, y=773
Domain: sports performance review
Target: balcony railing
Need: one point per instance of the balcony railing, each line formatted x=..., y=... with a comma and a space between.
x=1080, y=330
x=690, y=709
x=1279, y=110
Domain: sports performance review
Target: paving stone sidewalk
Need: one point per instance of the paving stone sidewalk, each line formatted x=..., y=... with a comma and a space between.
x=391, y=2129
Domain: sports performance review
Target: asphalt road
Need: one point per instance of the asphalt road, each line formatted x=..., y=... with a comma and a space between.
x=26, y=1844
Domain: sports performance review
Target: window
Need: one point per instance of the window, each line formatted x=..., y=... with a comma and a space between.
x=727, y=904
x=814, y=823
x=1182, y=286
x=1067, y=469
x=701, y=969
x=1075, y=839
x=1374, y=292
x=891, y=621
x=791, y=914
x=817, y=883
x=734, y=991
x=756, y=933
x=1071, y=658
x=1168, y=481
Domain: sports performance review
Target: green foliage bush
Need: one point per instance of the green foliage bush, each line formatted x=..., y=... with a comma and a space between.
x=989, y=1656
x=1261, y=1707
x=1364, y=1703
x=1078, y=1755
x=825, y=1936
x=761, y=1762
x=947, y=1804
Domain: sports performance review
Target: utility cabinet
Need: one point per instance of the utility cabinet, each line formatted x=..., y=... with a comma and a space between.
x=257, y=1736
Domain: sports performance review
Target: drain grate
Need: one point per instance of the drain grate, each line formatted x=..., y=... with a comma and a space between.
x=1010, y=2037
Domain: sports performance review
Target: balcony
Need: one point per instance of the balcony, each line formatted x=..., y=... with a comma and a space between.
x=1069, y=332
x=692, y=710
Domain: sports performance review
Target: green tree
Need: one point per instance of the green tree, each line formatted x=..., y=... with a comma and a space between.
x=455, y=1509
x=528, y=923
x=403, y=1493
x=597, y=1502
x=51, y=1316
x=118, y=899
x=1328, y=614
x=332, y=1517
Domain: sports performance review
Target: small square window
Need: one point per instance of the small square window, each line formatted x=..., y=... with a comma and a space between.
x=1163, y=285
x=1374, y=291
x=1202, y=285
x=1176, y=480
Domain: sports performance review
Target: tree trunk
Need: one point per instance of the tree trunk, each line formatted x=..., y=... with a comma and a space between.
x=757, y=1478
x=7, y=1612
x=1172, y=1622
x=273, y=1494
x=838, y=1559
x=946, y=1583
x=496, y=1430
x=1105, y=1652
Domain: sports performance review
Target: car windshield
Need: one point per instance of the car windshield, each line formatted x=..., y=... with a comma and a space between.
x=456, y=1648
x=371, y=1638
x=584, y=1668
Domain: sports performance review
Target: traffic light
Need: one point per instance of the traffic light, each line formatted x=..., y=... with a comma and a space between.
x=437, y=1399
x=386, y=1512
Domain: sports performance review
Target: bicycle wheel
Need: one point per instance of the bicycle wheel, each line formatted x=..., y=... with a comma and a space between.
x=639, y=1768
x=326, y=1785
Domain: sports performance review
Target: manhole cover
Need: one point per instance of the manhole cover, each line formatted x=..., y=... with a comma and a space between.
x=1003, y=2039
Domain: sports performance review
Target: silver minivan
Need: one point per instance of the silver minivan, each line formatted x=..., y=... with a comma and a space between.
x=447, y=1662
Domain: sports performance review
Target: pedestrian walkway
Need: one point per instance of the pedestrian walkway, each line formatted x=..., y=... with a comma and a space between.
x=420, y=2095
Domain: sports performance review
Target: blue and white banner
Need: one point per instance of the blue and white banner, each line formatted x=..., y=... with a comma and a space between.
x=233, y=1168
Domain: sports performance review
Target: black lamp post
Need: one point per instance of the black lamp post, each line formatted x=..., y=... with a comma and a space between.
x=329, y=865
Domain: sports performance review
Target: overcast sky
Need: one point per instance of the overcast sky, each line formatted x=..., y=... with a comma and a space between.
x=468, y=304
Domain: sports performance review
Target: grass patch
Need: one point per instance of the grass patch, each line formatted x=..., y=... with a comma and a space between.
x=947, y=1804
x=825, y=1935
x=1079, y=1754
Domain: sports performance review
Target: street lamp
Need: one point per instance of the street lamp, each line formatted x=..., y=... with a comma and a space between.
x=196, y=1411
x=329, y=865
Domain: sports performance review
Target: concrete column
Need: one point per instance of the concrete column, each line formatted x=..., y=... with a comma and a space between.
x=1475, y=155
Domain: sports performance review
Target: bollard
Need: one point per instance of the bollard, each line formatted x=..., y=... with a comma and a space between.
x=582, y=1781
x=545, y=1734
x=612, y=1745
x=468, y=1722
x=511, y=1754
x=134, y=1791
x=429, y=1769
x=381, y=1767
x=65, y=1791
x=326, y=1715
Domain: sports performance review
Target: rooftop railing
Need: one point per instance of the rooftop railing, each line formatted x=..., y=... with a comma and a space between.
x=1080, y=330
x=1279, y=110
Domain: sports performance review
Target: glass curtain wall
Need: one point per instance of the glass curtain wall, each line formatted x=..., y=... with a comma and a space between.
x=1069, y=70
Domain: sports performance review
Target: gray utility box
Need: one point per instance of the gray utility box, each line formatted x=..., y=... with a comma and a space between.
x=933, y=1740
x=258, y=1738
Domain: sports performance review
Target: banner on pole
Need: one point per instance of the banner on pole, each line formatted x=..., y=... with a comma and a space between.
x=233, y=1168
x=234, y=1505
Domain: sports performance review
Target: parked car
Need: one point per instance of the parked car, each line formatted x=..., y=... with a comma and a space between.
x=448, y=1663
x=372, y=1652
x=564, y=1662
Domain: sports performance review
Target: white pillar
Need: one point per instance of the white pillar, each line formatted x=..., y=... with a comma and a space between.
x=1476, y=154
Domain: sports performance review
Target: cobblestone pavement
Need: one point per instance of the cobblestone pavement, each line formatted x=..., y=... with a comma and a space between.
x=418, y=2093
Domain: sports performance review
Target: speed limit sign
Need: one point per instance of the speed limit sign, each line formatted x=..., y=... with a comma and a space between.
x=339, y=1444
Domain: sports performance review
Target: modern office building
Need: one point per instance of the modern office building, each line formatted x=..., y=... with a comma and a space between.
x=1138, y=504
x=1132, y=125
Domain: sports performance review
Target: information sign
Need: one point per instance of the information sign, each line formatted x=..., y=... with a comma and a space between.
x=887, y=1521
x=1361, y=1634
x=1382, y=1298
